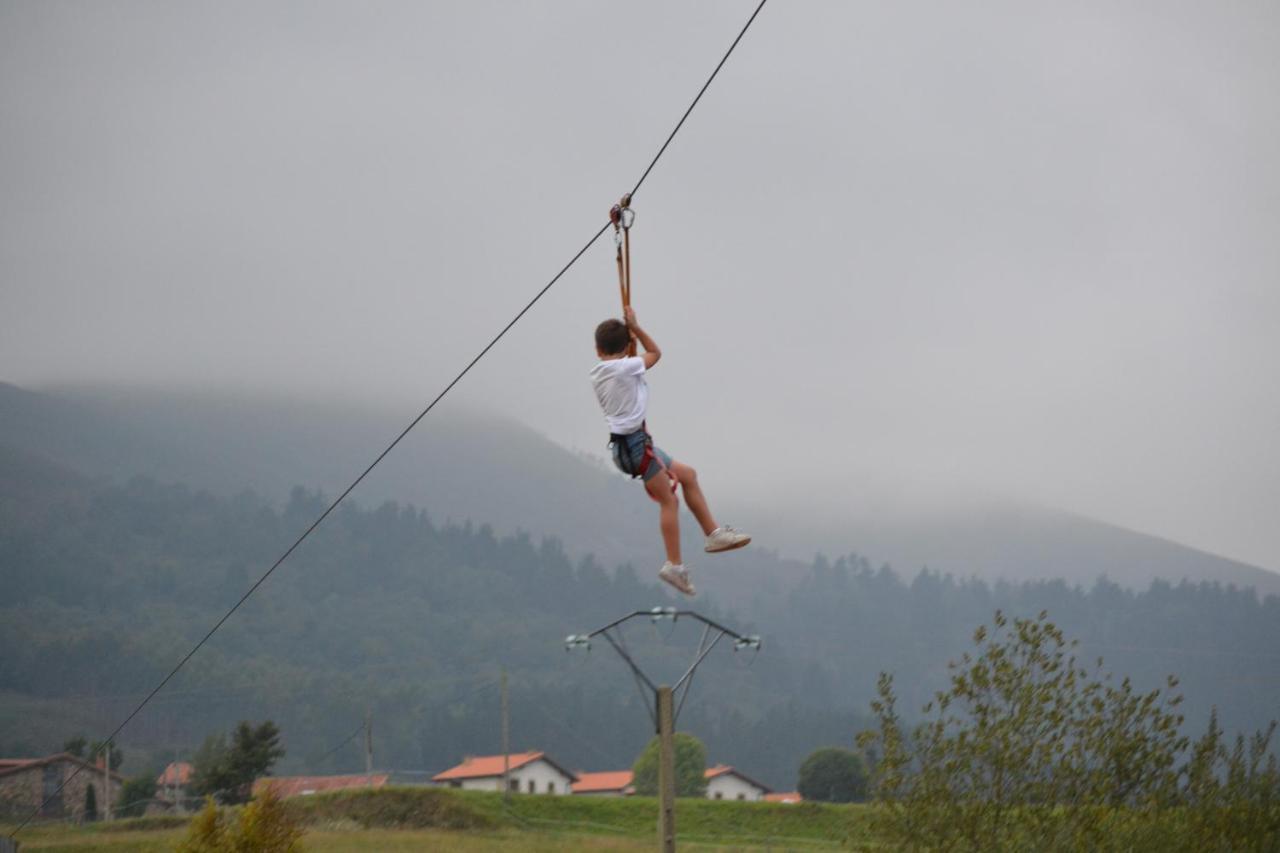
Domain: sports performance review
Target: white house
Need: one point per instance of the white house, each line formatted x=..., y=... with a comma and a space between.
x=725, y=783
x=529, y=773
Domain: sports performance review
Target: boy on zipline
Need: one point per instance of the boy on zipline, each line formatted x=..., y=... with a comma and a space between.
x=624, y=397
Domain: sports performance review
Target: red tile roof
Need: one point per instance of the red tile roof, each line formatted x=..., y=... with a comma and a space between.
x=484, y=766
x=295, y=786
x=178, y=773
x=614, y=780
x=789, y=797
x=725, y=769
x=481, y=766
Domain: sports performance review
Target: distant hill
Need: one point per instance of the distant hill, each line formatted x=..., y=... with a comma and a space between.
x=496, y=471
x=456, y=466
x=1020, y=543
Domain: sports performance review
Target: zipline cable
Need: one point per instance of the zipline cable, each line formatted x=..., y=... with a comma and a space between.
x=701, y=91
x=439, y=703
x=407, y=429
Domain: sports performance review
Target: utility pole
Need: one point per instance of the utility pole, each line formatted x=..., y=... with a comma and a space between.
x=368, y=746
x=661, y=710
x=506, y=742
x=666, y=772
x=106, y=786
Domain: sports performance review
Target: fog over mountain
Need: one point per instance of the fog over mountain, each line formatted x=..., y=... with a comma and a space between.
x=492, y=470
x=1023, y=249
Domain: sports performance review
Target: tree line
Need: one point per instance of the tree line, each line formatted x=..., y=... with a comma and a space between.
x=387, y=610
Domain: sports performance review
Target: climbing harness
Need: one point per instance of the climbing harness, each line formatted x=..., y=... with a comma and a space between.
x=620, y=447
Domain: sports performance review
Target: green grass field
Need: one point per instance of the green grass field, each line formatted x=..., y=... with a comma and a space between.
x=431, y=818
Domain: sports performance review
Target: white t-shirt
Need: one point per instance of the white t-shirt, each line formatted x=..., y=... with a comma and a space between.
x=622, y=392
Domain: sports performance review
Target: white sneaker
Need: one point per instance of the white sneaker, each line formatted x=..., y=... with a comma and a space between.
x=678, y=577
x=726, y=539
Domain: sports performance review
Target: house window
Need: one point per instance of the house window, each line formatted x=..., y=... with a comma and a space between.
x=514, y=785
x=719, y=795
x=532, y=788
x=742, y=796
x=551, y=787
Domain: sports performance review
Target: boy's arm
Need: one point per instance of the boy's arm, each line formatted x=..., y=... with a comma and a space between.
x=651, y=352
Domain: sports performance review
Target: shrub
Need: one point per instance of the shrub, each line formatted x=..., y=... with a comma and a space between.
x=397, y=807
x=691, y=767
x=137, y=794
x=1029, y=749
x=834, y=776
x=263, y=826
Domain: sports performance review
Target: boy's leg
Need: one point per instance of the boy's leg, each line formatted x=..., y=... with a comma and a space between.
x=659, y=488
x=693, y=495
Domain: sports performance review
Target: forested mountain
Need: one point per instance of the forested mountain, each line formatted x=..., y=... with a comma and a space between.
x=106, y=585
x=498, y=472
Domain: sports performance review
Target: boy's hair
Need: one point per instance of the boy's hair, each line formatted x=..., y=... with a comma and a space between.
x=612, y=336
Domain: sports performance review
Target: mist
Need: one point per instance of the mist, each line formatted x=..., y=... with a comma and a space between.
x=902, y=258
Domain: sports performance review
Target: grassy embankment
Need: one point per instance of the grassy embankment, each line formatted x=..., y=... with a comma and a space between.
x=433, y=818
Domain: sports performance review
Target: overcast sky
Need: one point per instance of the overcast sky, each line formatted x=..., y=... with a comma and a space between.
x=901, y=252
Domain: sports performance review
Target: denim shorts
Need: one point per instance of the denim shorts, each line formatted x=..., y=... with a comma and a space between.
x=633, y=448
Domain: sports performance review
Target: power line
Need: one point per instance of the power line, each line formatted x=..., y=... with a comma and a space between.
x=345, y=741
x=432, y=706
x=412, y=423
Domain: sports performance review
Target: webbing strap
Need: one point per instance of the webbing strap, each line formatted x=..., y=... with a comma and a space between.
x=622, y=216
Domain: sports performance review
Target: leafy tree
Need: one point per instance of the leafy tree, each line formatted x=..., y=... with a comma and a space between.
x=138, y=792
x=90, y=803
x=833, y=775
x=209, y=771
x=99, y=748
x=227, y=772
x=691, y=767
x=1232, y=793
x=75, y=746
x=1028, y=749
